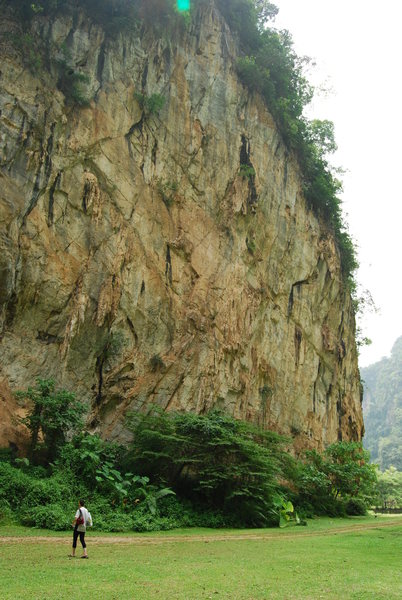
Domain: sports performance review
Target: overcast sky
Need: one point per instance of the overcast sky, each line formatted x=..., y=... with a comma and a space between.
x=357, y=47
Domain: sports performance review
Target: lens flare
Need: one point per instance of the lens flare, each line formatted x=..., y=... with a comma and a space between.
x=183, y=5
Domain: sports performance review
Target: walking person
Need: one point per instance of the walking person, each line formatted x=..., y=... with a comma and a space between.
x=81, y=521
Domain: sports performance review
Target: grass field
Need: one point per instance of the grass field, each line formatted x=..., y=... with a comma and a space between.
x=356, y=559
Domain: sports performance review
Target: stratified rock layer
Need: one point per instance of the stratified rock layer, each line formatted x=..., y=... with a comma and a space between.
x=142, y=262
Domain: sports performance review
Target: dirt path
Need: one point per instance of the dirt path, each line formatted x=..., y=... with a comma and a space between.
x=169, y=539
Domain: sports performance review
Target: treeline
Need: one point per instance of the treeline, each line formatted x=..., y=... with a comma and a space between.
x=268, y=65
x=180, y=470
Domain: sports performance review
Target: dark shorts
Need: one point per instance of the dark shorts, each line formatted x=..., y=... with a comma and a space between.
x=82, y=538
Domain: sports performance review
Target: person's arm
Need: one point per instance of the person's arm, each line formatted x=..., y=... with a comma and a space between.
x=75, y=518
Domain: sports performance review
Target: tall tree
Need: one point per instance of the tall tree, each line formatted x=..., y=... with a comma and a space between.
x=52, y=414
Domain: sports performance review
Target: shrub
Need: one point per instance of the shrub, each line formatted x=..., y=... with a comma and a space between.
x=73, y=84
x=183, y=513
x=52, y=516
x=150, y=105
x=225, y=464
x=85, y=454
x=25, y=492
x=44, y=492
x=7, y=516
x=341, y=474
x=14, y=484
x=246, y=172
x=144, y=522
x=355, y=506
x=112, y=521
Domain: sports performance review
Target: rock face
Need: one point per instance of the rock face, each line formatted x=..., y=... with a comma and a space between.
x=166, y=257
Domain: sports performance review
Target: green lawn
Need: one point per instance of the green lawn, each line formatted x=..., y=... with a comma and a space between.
x=359, y=564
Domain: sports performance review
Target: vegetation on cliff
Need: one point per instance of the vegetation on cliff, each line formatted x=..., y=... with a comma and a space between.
x=267, y=64
x=270, y=66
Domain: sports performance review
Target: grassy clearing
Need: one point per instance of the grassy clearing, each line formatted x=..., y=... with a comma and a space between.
x=359, y=564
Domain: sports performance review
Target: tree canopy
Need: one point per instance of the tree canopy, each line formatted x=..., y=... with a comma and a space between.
x=52, y=414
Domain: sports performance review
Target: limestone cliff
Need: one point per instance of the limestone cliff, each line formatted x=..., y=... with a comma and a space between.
x=142, y=260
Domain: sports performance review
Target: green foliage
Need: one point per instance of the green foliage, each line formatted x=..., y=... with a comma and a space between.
x=349, y=469
x=181, y=470
x=26, y=44
x=150, y=105
x=114, y=16
x=382, y=408
x=248, y=18
x=116, y=484
x=287, y=513
x=27, y=491
x=85, y=454
x=150, y=494
x=270, y=66
x=389, y=488
x=14, y=485
x=250, y=73
x=53, y=413
x=73, y=84
x=246, y=171
x=226, y=474
x=7, y=516
x=322, y=137
x=226, y=464
x=328, y=481
x=355, y=507
x=51, y=516
x=26, y=9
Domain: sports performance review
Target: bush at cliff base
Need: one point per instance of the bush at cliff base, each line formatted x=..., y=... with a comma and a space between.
x=190, y=470
x=338, y=481
x=219, y=462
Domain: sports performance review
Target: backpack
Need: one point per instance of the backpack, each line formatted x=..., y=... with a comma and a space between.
x=80, y=519
x=89, y=520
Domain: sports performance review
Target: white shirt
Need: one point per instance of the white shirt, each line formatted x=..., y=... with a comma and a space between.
x=86, y=517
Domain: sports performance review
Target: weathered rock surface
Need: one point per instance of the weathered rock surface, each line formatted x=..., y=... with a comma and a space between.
x=138, y=265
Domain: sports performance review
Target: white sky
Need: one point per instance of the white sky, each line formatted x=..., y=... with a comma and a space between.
x=357, y=47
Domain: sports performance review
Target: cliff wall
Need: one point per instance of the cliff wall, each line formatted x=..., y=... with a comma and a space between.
x=142, y=261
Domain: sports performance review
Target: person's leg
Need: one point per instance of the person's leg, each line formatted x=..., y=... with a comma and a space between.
x=83, y=544
x=75, y=537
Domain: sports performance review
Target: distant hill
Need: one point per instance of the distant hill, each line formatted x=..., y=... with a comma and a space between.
x=382, y=409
